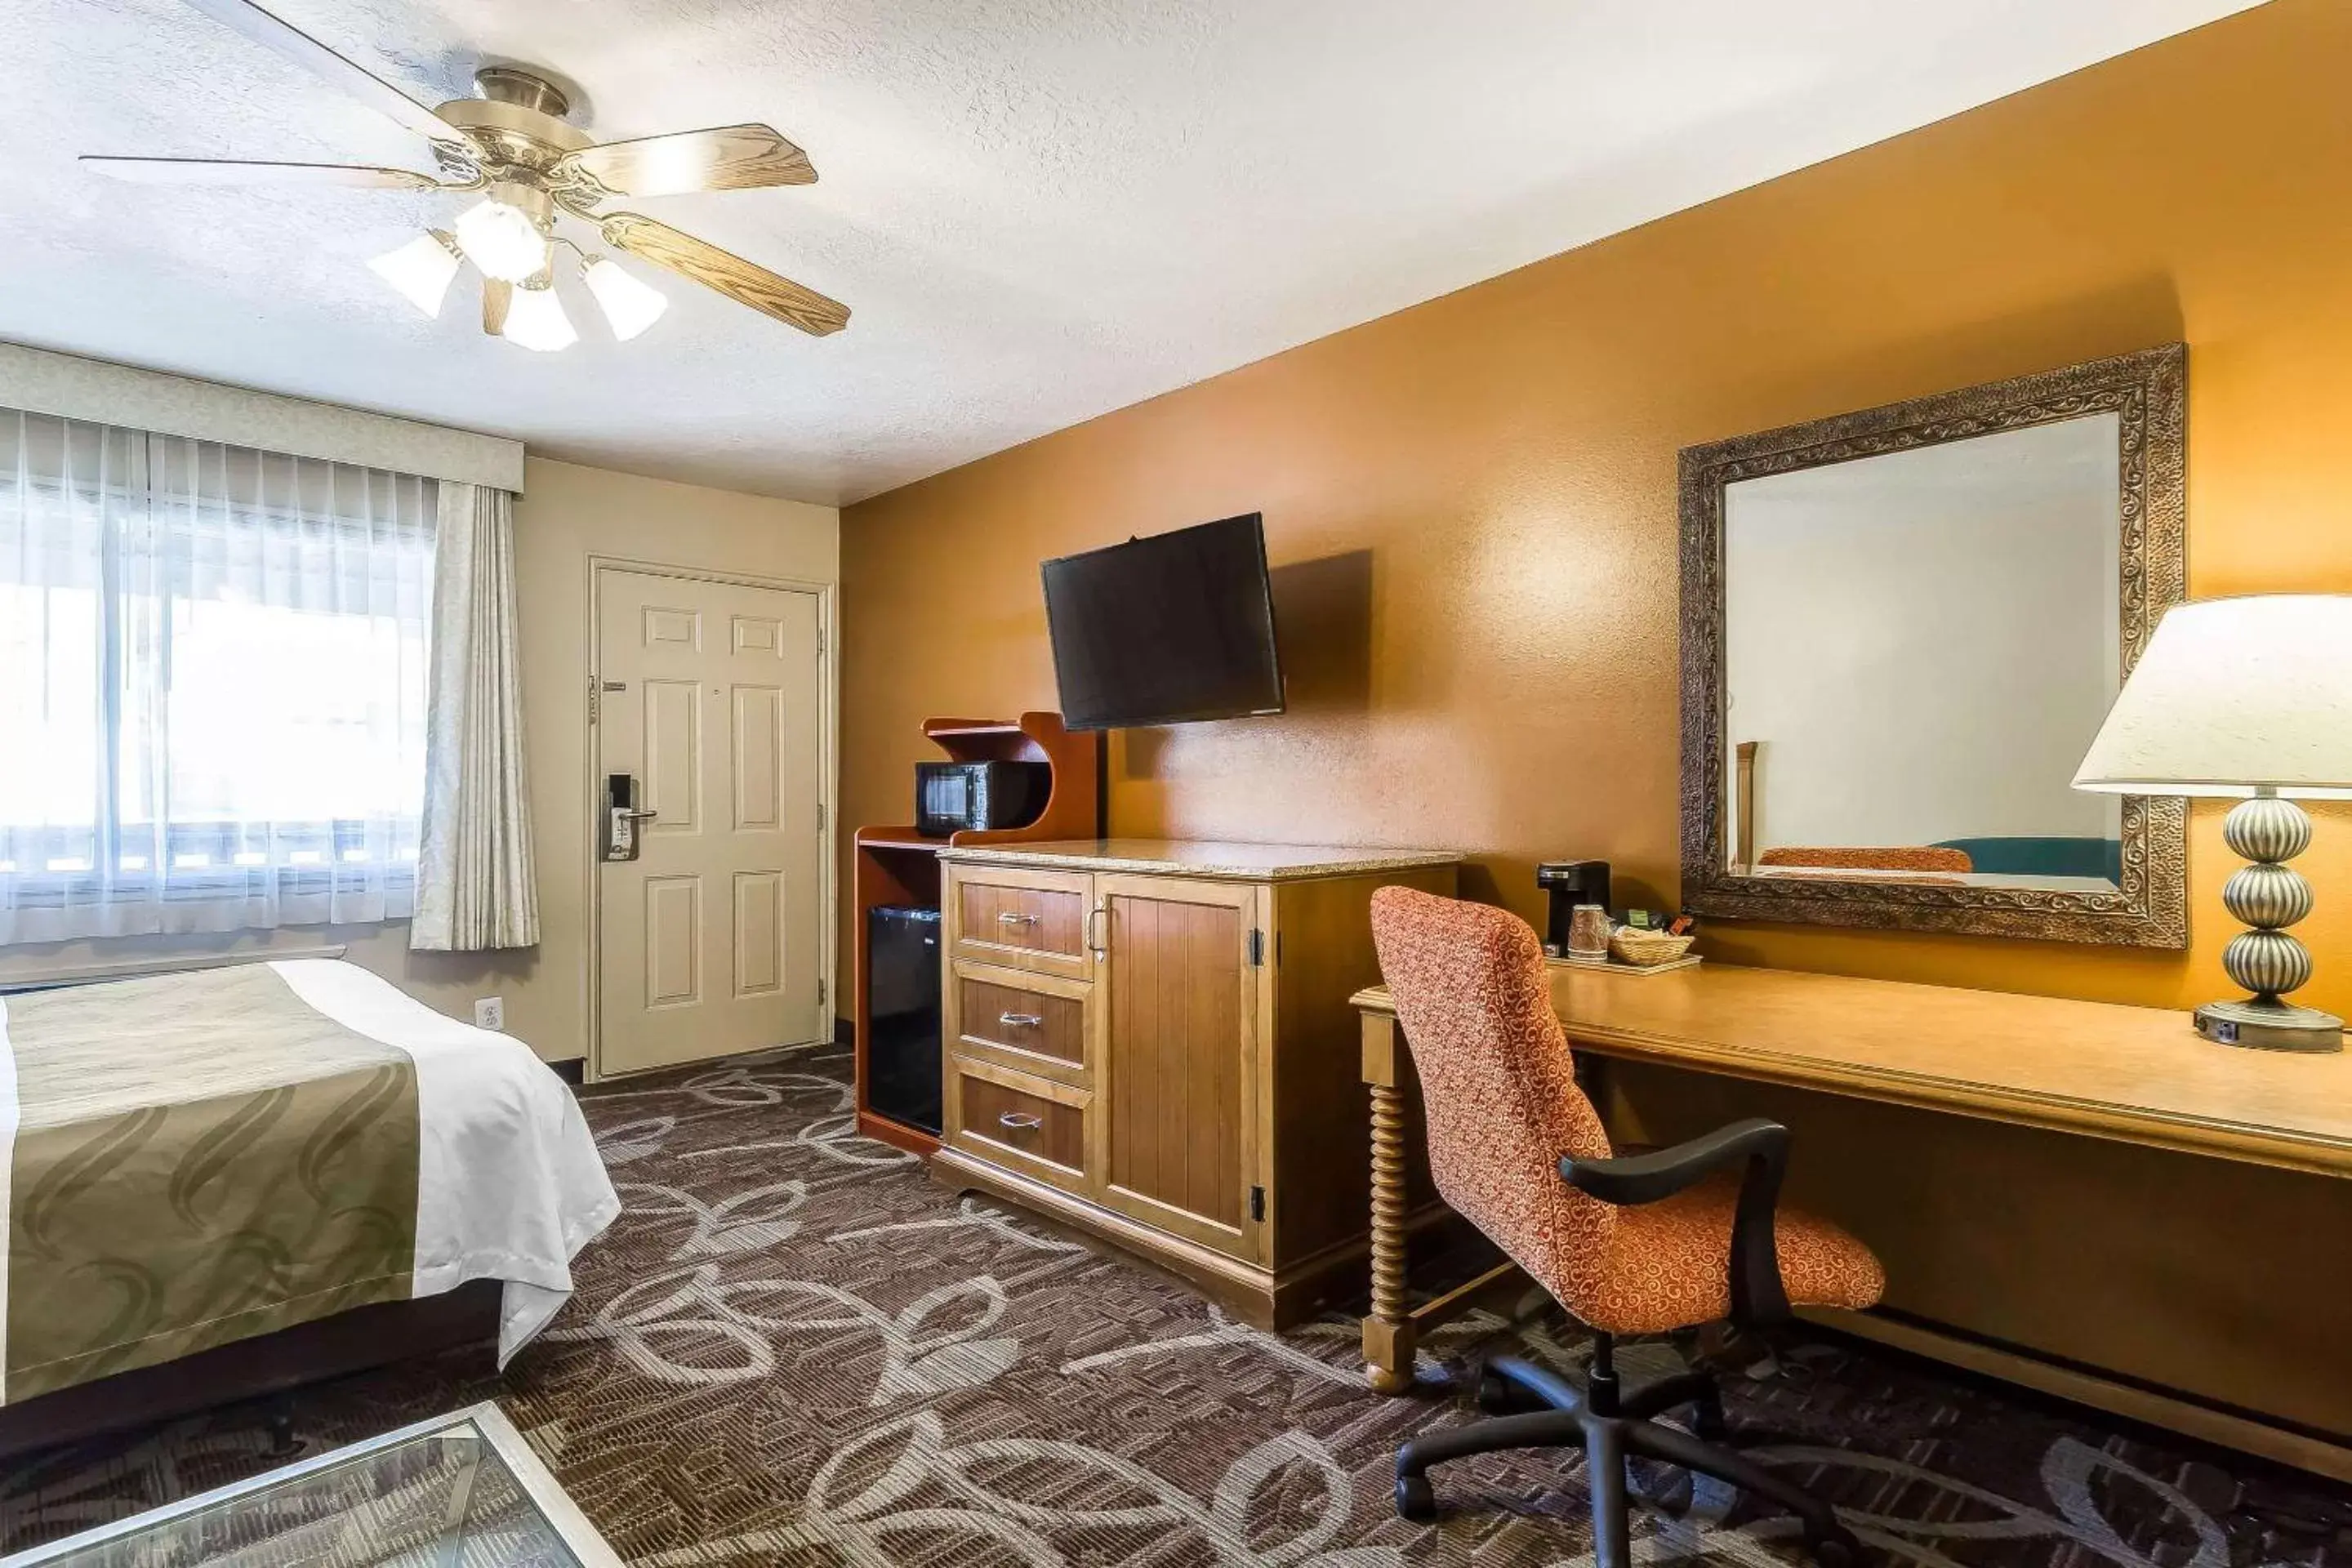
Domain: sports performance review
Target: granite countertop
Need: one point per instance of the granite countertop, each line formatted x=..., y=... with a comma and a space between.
x=1200, y=858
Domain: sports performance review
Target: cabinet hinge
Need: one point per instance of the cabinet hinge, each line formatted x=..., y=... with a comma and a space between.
x=819, y=642
x=820, y=992
x=1257, y=1204
x=1256, y=946
x=820, y=816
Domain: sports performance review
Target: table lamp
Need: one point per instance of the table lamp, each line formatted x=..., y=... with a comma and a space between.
x=2247, y=696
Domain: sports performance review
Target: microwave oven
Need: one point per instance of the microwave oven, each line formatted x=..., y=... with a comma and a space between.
x=950, y=795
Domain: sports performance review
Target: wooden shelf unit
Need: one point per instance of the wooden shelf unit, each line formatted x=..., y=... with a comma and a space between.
x=896, y=865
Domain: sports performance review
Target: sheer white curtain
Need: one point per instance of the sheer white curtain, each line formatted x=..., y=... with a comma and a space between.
x=212, y=684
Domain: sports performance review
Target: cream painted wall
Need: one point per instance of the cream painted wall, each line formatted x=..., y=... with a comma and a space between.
x=567, y=513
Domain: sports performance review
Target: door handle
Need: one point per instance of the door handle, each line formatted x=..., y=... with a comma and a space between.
x=621, y=815
x=1021, y=1121
x=1019, y=1020
x=1101, y=943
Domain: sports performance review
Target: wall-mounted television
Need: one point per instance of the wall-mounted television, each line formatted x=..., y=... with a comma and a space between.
x=1165, y=630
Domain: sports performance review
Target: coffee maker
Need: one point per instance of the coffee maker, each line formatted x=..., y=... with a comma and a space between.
x=1569, y=883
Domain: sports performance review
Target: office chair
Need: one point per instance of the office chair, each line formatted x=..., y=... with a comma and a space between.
x=1643, y=1243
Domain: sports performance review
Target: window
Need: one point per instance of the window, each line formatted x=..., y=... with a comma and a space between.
x=212, y=684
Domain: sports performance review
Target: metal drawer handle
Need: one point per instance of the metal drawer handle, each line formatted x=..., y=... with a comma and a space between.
x=1021, y=1120
x=1019, y=1020
x=1008, y=918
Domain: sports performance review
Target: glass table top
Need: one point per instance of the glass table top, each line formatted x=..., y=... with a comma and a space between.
x=463, y=1491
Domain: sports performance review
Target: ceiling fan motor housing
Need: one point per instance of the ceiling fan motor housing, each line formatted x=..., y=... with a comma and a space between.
x=526, y=90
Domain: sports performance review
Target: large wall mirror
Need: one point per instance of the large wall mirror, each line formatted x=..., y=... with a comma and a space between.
x=1901, y=629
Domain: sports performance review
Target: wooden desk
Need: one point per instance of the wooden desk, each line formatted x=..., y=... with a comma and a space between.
x=2134, y=1075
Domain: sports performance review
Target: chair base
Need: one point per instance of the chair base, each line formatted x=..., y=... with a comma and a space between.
x=1545, y=1411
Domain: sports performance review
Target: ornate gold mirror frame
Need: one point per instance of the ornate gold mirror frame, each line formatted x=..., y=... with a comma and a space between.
x=2148, y=394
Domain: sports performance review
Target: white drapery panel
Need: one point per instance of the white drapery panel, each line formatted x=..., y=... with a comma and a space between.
x=477, y=884
x=212, y=684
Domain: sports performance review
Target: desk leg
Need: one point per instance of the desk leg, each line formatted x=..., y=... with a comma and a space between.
x=1389, y=1329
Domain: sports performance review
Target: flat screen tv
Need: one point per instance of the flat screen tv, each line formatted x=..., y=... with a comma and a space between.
x=1165, y=630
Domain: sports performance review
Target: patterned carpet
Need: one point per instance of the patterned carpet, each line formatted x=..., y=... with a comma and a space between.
x=794, y=1348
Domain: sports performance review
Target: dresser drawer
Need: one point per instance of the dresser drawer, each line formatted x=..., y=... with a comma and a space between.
x=1031, y=1022
x=1029, y=1125
x=1024, y=920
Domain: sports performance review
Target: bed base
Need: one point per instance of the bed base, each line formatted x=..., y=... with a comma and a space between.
x=267, y=1364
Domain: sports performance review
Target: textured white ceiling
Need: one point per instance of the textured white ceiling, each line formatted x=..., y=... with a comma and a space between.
x=1039, y=210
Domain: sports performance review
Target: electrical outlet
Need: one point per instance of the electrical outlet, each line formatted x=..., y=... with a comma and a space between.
x=490, y=1012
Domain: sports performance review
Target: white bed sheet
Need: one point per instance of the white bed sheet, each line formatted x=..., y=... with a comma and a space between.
x=508, y=1185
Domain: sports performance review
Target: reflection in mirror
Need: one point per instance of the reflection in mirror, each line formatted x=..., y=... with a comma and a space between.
x=1918, y=648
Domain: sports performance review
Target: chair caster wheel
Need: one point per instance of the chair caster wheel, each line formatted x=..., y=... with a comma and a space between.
x=1496, y=1396
x=1707, y=1423
x=1415, y=1500
x=1841, y=1549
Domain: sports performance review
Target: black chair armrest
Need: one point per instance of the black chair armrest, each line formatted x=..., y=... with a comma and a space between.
x=1761, y=1149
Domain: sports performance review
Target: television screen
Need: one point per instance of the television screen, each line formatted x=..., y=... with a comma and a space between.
x=1165, y=630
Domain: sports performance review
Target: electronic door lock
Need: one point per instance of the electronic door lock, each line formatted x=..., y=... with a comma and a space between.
x=621, y=815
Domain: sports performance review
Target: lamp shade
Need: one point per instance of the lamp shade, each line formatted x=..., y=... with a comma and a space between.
x=2231, y=695
x=421, y=269
x=501, y=239
x=629, y=305
x=535, y=320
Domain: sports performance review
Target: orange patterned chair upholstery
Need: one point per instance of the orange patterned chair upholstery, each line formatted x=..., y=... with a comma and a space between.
x=1637, y=1245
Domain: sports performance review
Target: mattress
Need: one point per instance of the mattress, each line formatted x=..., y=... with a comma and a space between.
x=189, y=1160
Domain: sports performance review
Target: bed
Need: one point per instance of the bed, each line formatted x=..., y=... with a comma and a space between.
x=281, y=1156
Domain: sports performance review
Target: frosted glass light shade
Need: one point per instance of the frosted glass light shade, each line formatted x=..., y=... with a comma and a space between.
x=535, y=320
x=629, y=304
x=421, y=269
x=501, y=240
x=2231, y=695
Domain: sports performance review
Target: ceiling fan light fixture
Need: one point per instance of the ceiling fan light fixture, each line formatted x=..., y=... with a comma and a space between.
x=535, y=320
x=630, y=305
x=421, y=269
x=502, y=240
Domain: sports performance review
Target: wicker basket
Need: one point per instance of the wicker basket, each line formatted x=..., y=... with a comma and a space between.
x=1631, y=944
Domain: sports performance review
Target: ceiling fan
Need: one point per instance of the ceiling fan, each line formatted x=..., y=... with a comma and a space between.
x=514, y=145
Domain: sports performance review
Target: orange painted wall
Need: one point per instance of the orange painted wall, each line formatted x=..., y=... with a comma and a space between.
x=1470, y=505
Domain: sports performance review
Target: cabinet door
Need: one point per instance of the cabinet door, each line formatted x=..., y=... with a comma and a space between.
x=1178, y=1100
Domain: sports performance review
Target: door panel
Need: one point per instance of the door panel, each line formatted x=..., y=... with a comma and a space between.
x=710, y=941
x=673, y=942
x=673, y=756
x=1179, y=1015
x=677, y=628
x=759, y=934
x=759, y=758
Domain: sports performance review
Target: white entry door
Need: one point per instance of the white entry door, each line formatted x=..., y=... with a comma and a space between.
x=711, y=701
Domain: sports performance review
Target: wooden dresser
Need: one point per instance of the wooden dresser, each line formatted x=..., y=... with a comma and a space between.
x=1151, y=1040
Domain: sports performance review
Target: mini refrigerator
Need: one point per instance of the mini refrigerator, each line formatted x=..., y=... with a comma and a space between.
x=902, y=997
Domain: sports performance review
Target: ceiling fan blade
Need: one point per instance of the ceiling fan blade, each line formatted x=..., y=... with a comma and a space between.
x=326, y=64
x=731, y=275
x=242, y=172
x=724, y=158
x=496, y=295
